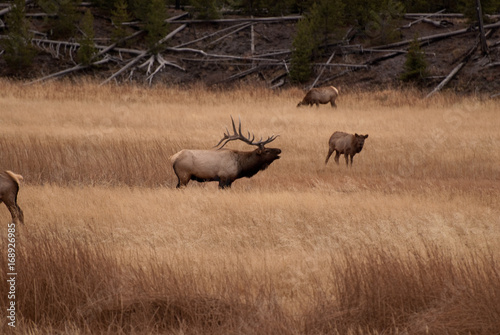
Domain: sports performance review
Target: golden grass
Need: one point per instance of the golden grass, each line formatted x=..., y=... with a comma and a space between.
x=405, y=241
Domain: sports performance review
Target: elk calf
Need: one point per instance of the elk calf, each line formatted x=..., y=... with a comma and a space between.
x=224, y=166
x=320, y=95
x=9, y=187
x=346, y=144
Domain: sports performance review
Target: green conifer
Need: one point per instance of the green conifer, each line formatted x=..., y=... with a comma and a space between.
x=415, y=66
x=18, y=50
x=156, y=25
x=119, y=16
x=87, y=49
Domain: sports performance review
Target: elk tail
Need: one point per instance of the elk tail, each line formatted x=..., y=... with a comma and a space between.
x=15, y=177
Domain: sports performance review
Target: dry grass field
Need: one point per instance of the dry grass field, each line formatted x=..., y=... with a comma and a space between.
x=407, y=241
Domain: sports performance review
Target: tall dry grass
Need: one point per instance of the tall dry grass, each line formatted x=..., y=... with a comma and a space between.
x=405, y=242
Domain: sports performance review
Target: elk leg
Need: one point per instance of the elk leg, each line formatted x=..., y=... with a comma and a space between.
x=225, y=183
x=346, y=156
x=15, y=211
x=352, y=156
x=334, y=105
x=337, y=155
x=330, y=152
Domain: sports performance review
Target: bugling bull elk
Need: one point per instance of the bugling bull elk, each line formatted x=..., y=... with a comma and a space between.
x=9, y=187
x=224, y=166
x=346, y=144
x=320, y=95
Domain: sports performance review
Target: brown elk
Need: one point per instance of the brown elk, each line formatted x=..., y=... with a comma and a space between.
x=9, y=187
x=320, y=95
x=224, y=166
x=346, y=144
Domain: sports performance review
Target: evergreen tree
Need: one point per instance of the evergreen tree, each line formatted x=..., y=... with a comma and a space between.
x=206, y=9
x=156, y=25
x=119, y=16
x=313, y=30
x=65, y=24
x=382, y=28
x=18, y=50
x=303, y=46
x=326, y=17
x=415, y=67
x=87, y=48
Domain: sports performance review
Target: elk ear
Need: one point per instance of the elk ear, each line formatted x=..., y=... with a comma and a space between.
x=366, y=136
x=356, y=134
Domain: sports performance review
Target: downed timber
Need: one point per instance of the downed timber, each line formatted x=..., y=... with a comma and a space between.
x=243, y=73
x=210, y=35
x=439, y=24
x=143, y=54
x=261, y=19
x=362, y=50
x=8, y=9
x=421, y=19
x=201, y=52
x=446, y=80
x=66, y=71
x=457, y=68
x=321, y=71
x=231, y=33
x=80, y=66
x=447, y=15
x=365, y=66
x=431, y=38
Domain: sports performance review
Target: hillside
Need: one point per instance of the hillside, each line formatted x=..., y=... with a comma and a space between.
x=221, y=53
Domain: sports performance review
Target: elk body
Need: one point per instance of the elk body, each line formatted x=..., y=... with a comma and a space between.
x=9, y=187
x=224, y=165
x=320, y=95
x=346, y=144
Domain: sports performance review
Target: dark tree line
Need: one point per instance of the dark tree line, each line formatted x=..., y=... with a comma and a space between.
x=321, y=24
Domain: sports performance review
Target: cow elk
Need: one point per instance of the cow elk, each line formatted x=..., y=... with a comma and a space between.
x=320, y=95
x=224, y=165
x=345, y=144
x=9, y=187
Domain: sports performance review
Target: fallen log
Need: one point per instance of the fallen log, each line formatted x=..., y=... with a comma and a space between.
x=421, y=19
x=143, y=54
x=419, y=15
x=262, y=19
x=8, y=9
x=78, y=67
x=321, y=71
x=455, y=70
x=435, y=37
x=210, y=35
x=231, y=33
x=446, y=80
x=439, y=24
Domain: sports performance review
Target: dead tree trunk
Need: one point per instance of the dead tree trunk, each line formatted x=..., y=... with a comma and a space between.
x=484, y=46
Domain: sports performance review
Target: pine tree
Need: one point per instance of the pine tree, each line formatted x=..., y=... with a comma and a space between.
x=415, y=67
x=19, y=53
x=156, y=25
x=206, y=9
x=303, y=46
x=119, y=16
x=314, y=30
x=67, y=17
x=87, y=48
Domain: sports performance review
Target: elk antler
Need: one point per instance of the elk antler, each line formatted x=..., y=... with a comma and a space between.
x=239, y=136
